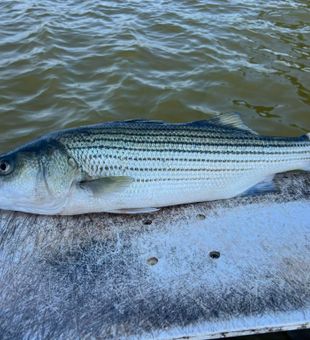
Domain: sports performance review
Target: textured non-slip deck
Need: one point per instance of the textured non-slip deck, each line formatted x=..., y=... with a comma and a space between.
x=206, y=270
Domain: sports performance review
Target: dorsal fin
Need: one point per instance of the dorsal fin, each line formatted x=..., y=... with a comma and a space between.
x=227, y=119
x=231, y=119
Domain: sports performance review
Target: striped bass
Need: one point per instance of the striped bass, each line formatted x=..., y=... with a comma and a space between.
x=138, y=166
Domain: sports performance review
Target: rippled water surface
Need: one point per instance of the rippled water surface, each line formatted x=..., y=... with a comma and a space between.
x=67, y=63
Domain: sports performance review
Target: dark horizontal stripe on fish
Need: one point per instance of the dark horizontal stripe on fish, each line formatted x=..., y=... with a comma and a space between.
x=232, y=139
x=180, y=169
x=126, y=158
x=112, y=168
x=173, y=133
x=176, y=179
x=230, y=142
x=171, y=129
x=233, y=152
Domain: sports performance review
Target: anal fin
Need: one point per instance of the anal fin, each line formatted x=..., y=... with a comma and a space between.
x=134, y=211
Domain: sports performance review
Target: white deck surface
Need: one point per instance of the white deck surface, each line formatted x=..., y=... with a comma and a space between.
x=152, y=276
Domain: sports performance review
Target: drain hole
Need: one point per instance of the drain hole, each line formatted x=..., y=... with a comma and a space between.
x=147, y=222
x=201, y=217
x=152, y=261
x=214, y=254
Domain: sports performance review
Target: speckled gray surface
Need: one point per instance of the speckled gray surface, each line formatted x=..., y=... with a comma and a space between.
x=202, y=270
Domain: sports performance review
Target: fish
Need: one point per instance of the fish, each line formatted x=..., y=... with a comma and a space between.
x=139, y=166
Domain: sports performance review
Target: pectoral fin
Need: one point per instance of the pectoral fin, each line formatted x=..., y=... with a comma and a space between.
x=107, y=184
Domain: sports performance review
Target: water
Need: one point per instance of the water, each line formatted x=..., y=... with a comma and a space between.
x=65, y=64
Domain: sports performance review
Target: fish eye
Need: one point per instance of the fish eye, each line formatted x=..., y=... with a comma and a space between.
x=5, y=167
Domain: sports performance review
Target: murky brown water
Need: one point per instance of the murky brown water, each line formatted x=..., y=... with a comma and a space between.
x=65, y=63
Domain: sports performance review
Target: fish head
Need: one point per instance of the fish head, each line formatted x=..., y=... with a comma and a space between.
x=36, y=178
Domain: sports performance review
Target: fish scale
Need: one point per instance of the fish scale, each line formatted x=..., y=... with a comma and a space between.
x=228, y=157
x=178, y=163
